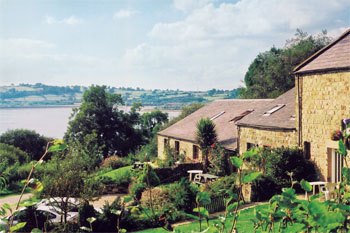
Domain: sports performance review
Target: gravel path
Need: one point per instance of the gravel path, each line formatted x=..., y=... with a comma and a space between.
x=12, y=200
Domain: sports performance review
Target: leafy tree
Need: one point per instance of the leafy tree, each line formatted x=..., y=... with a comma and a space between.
x=10, y=155
x=67, y=178
x=271, y=72
x=206, y=137
x=152, y=119
x=27, y=140
x=98, y=114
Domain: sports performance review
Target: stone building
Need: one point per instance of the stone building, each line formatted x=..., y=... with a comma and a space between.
x=272, y=125
x=323, y=101
x=307, y=115
x=182, y=135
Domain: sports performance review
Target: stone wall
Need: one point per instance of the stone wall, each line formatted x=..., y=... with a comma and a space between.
x=325, y=101
x=186, y=147
x=263, y=137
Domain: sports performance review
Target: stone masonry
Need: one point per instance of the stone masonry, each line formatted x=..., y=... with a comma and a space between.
x=263, y=137
x=325, y=101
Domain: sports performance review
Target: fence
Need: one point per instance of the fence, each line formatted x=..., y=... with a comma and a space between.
x=216, y=204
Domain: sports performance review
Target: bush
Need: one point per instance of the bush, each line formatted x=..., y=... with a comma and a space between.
x=218, y=187
x=183, y=195
x=275, y=164
x=85, y=211
x=148, y=151
x=10, y=154
x=136, y=190
x=263, y=188
x=219, y=162
x=115, y=162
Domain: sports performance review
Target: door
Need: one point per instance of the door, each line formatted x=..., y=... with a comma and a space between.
x=335, y=166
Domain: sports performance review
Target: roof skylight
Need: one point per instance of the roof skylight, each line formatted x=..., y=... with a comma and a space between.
x=243, y=114
x=217, y=115
x=274, y=109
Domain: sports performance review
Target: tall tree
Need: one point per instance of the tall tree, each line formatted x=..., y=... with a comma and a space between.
x=98, y=115
x=206, y=137
x=27, y=140
x=271, y=72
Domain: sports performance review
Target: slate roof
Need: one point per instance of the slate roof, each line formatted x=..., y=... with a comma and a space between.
x=334, y=56
x=284, y=118
x=226, y=130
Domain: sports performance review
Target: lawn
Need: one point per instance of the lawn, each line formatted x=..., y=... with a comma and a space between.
x=244, y=224
x=118, y=172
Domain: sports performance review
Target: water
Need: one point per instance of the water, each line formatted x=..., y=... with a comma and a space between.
x=50, y=122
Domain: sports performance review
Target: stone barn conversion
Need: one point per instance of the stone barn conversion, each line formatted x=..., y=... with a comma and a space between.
x=323, y=101
x=272, y=125
x=306, y=115
x=182, y=135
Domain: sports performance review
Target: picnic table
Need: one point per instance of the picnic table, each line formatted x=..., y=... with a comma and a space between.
x=204, y=178
x=193, y=173
x=137, y=165
x=313, y=184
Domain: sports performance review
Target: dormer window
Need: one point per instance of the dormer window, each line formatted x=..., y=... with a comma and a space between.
x=217, y=115
x=274, y=109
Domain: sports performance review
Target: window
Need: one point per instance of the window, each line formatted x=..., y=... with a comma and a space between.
x=335, y=166
x=274, y=109
x=243, y=114
x=195, y=152
x=250, y=145
x=166, y=142
x=307, y=150
x=217, y=115
x=177, y=147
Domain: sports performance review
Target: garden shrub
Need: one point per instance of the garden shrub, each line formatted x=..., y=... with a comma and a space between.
x=219, y=162
x=136, y=190
x=85, y=211
x=11, y=154
x=148, y=151
x=275, y=165
x=263, y=188
x=115, y=162
x=219, y=187
x=183, y=195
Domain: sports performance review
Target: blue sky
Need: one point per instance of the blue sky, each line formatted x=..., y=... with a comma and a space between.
x=163, y=44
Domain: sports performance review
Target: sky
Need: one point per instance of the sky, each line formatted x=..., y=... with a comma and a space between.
x=151, y=44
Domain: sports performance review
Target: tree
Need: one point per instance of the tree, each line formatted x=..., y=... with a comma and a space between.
x=150, y=120
x=98, y=115
x=271, y=72
x=67, y=178
x=27, y=140
x=206, y=137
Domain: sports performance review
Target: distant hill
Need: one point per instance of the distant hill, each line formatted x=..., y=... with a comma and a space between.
x=41, y=95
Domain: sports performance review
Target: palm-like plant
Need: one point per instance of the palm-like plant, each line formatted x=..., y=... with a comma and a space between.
x=206, y=137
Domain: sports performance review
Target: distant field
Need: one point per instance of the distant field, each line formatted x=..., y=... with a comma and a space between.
x=43, y=95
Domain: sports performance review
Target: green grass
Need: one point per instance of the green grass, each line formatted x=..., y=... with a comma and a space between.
x=244, y=224
x=118, y=172
x=120, y=175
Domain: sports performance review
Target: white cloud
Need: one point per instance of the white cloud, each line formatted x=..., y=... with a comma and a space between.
x=214, y=45
x=70, y=20
x=124, y=13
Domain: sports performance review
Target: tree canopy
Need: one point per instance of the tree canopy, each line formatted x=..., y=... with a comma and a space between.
x=27, y=140
x=271, y=72
x=98, y=115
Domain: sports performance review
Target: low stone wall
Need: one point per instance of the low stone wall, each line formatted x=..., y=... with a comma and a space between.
x=171, y=174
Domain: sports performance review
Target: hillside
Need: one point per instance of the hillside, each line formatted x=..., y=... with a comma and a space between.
x=40, y=95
